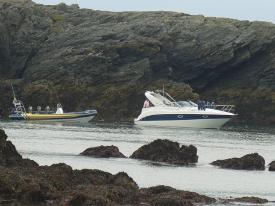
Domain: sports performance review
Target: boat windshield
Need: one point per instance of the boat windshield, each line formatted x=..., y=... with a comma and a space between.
x=163, y=98
x=187, y=104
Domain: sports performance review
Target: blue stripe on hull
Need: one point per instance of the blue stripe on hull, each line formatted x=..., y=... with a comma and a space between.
x=16, y=117
x=163, y=117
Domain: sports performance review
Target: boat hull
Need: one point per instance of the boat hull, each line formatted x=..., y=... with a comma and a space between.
x=85, y=116
x=198, y=123
x=162, y=110
x=183, y=117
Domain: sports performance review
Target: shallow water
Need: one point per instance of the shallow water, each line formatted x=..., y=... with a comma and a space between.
x=54, y=143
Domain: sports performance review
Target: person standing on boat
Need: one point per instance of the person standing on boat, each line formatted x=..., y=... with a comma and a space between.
x=146, y=104
x=212, y=105
x=203, y=105
x=30, y=109
x=59, y=109
x=199, y=105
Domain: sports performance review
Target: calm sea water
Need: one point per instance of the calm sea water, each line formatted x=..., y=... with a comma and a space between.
x=54, y=143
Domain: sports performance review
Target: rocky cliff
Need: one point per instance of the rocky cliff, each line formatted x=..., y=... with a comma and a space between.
x=86, y=58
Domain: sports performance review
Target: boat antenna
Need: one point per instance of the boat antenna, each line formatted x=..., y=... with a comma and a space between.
x=14, y=97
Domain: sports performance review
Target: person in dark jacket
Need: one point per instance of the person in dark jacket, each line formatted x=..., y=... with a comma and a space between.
x=203, y=105
x=199, y=105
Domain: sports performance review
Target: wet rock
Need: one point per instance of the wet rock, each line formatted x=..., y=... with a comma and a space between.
x=103, y=152
x=3, y=140
x=164, y=195
x=60, y=185
x=272, y=166
x=253, y=200
x=9, y=155
x=248, y=162
x=168, y=152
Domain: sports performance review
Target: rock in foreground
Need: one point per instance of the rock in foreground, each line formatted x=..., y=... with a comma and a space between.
x=166, y=196
x=103, y=152
x=272, y=166
x=168, y=152
x=253, y=200
x=248, y=162
x=61, y=185
x=9, y=156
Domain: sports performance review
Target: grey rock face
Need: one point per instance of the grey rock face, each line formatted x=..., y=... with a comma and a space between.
x=66, y=51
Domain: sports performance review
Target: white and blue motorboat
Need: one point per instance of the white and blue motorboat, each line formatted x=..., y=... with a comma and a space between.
x=160, y=109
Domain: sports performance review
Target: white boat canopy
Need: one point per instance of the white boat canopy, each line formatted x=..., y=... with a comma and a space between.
x=160, y=98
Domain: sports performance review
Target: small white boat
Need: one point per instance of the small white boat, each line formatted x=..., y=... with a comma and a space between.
x=160, y=109
x=19, y=113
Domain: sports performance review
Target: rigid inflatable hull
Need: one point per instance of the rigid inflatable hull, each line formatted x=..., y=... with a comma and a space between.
x=66, y=117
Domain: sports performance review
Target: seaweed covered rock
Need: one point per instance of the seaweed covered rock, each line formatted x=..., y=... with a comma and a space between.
x=168, y=152
x=9, y=155
x=272, y=166
x=164, y=195
x=252, y=200
x=248, y=162
x=61, y=185
x=103, y=152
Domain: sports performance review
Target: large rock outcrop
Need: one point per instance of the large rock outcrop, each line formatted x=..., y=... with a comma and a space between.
x=60, y=185
x=166, y=151
x=86, y=58
x=248, y=162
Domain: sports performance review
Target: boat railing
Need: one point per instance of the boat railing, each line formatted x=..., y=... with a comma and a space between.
x=222, y=107
x=19, y=107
